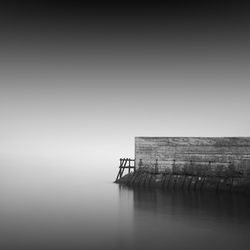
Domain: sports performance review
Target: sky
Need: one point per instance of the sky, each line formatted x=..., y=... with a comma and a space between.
x=78, y=81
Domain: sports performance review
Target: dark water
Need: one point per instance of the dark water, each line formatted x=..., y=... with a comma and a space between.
x=72, y=211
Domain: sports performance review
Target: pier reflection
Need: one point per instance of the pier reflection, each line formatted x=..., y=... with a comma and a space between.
x=190, y=220
x=224, y=206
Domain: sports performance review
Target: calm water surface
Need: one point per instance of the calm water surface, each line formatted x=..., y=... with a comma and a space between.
x=57, y=210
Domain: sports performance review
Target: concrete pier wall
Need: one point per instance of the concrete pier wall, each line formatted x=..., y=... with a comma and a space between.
x=210, y=153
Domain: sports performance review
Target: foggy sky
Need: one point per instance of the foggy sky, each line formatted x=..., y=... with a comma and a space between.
x=79, y=82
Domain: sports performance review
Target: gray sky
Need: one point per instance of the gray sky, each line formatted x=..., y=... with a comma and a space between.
x=79, y=87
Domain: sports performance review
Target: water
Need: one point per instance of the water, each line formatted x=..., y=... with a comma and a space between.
x=52, y=209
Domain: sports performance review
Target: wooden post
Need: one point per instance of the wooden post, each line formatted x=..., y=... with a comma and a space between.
x=120, y=169
x=173, y=167
x=124, y=165
x=191, y=167
x=140, y=163
x=156, y=166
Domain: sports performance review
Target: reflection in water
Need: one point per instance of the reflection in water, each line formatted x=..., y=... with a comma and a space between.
x=62, y=210
x=186, y=220
x=223, y=206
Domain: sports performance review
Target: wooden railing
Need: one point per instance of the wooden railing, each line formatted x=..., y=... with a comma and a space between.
x=125, y=163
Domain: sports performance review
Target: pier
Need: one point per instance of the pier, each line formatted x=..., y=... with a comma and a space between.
x=215, y=164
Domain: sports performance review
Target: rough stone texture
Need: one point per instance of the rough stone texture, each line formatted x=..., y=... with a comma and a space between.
x=193, y=152
x=186, y=183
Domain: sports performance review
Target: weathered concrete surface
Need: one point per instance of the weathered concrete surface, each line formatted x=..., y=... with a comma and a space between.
x=210, y=153
x=186, y=183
